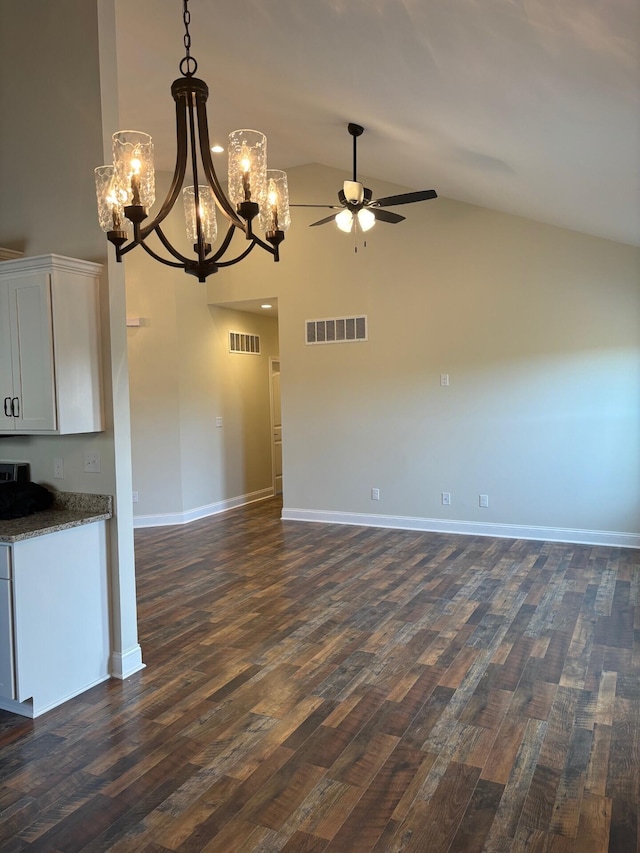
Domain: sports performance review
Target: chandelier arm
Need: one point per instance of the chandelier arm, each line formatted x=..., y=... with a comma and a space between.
x=222, y=201
x=165, y=242
x=200, y=241
x=244, y=254
x=231, y=230
x=122, y=250
x=263, y=245
x=179, y=172
x=157, y=257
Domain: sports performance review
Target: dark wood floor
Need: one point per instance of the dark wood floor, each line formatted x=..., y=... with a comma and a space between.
x=328, y=688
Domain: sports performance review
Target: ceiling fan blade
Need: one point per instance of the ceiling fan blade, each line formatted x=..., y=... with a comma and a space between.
x=331, y=218
x=327, y=206
x=386, y=215
x=405, y=198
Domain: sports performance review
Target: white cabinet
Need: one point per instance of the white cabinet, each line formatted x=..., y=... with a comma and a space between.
x=50, y=367
x=7, y=664
x=57, y=636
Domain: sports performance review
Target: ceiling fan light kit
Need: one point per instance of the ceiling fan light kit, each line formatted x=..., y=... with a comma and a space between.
x=357, y=206
x=125, y=190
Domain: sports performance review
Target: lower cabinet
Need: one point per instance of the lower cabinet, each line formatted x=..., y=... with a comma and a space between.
x=58, y=619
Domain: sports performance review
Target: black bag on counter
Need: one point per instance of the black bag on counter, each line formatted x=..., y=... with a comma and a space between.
x=20, y=499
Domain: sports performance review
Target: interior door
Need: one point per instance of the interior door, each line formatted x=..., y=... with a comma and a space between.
x=276, y=426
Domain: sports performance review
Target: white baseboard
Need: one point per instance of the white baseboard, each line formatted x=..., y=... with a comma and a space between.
x=124, y=664
x=467, y=528
x=167, y=519
x=31, y=710
x=25, y=709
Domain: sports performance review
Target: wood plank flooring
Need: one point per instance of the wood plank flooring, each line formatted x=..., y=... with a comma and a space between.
x=328, y=688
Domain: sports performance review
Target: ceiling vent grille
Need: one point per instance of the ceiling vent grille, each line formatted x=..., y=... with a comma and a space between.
x=337, y=330
x=242, y=343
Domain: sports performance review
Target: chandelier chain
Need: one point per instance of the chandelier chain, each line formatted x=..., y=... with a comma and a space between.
x=188, y=65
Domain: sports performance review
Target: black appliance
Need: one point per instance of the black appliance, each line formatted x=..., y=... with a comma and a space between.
x=18, y=495
x=14, y=472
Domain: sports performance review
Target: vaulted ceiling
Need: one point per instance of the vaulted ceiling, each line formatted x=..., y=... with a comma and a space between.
x=531, y=107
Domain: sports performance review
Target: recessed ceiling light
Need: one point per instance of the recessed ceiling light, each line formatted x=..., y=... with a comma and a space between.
x=217, y=149
x=266, y=305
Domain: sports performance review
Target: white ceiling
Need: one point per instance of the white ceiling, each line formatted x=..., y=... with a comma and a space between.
x=526, y=106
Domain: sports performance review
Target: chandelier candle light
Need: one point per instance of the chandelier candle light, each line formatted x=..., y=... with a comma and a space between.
x=125, y=190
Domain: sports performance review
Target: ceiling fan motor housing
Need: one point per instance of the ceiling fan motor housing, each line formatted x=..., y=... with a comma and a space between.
x=353, y=192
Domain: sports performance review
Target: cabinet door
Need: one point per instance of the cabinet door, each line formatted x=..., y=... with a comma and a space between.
x=7, y=422
x=32, y=351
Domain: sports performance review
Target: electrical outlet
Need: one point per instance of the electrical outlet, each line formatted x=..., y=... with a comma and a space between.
x=135, y=497
x=218, y=422
x=375, y=494
x=444, y=380
x=58, y=469
x=446, y=498
x=483, y=500
x=92, y=462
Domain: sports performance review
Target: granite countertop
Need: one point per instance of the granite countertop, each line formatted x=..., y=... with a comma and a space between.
x=69, y=509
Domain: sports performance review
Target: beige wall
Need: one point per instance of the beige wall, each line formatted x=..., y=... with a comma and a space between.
x=182, y=377
x=54, y=87
x=50, y=146
x=538, y=328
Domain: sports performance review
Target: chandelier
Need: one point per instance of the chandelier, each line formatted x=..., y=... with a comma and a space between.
x=125, y=189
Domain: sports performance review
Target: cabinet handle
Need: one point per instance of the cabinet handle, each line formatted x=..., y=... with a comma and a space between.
x=7, y=407
x=15, y=407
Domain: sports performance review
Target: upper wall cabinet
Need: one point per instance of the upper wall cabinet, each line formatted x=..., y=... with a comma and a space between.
x=50, y=369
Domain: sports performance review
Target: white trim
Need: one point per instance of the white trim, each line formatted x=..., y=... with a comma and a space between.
x=168, y=519
x=28, y=708
x=10, y=254
x=468, y=528
x=124, y=664
x=38, y=263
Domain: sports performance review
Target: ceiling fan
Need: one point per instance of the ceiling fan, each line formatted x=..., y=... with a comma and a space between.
x=357, y=204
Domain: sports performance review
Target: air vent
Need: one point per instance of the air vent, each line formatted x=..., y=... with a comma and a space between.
x=243, y=343
x=337, y=330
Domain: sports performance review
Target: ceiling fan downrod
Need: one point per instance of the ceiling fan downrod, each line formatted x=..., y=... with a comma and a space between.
x=355, y=130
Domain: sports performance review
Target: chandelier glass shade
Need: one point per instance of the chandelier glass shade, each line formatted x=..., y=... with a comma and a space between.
x=247, y=167
x=274, y=210
x=125, y=190
x=133, y=167
x=110, y=202
x=205, y=211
